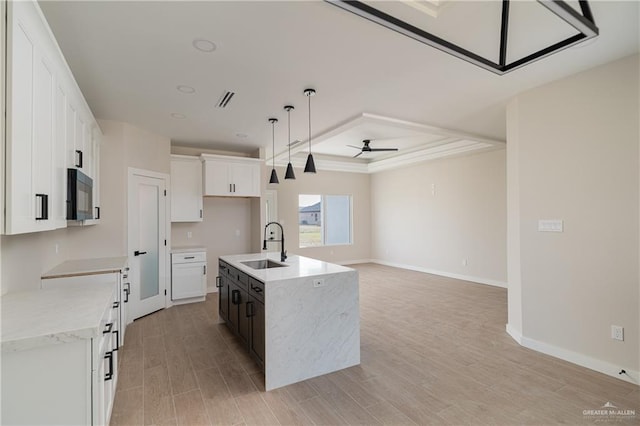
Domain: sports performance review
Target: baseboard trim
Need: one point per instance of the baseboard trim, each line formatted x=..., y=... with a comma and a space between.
x=353, y=262
x=486, y=281
x=515, y=334
x=604, y=367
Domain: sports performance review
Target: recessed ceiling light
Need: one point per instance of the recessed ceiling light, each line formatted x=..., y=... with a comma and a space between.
x=204, y=45
x=178, y=115
x=241, y=135
x=186, y=89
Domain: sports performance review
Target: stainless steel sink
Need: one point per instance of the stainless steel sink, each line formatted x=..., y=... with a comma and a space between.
x=263, y=264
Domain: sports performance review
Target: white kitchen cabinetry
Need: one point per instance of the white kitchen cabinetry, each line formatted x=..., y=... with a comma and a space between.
x=91, y=272
x=188, y=275
x=46, y=114
x=59, y=356
x=231, y=176
x=186, y=189
x=29, y=126
x=95, y=175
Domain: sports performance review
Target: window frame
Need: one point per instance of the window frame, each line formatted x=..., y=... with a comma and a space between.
x=323, y=221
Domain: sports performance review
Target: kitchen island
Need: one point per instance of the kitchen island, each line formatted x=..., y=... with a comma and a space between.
x=299, y=318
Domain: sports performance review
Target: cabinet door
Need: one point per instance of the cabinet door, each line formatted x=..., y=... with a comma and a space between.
x=186, y=190
x=243, y=318
x=96, y=140
x=87, y=150
x=188, y=280
x=245, y=179
x=223, y=298
x=216, y=178
x=29, y=126
x=256, y=341
x=59, y=208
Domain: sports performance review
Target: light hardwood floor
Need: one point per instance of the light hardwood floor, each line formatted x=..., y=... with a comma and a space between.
x=434, y=351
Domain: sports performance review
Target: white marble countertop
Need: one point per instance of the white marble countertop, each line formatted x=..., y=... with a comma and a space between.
x=297, y=266
x=71, y=268
x=39, y=317
x=188, y=249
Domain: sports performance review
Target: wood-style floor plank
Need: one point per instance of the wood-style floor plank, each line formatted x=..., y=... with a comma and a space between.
x=433, y=351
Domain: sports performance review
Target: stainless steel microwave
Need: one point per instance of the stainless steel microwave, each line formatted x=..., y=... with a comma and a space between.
x=79, y=195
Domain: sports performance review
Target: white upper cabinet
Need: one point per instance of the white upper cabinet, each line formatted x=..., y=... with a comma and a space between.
x=186, y=189
x=46, y=117
x=231, y=176
x=29, y=126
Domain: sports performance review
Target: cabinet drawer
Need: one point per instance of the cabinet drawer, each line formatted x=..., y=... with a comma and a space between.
x=223, y=268
x=256, y=289
x=188, y=257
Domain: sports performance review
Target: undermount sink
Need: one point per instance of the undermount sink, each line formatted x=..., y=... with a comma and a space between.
x=263, y=264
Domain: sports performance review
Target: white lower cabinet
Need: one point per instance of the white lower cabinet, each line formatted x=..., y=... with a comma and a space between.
x=188, y=276
x=64, y=377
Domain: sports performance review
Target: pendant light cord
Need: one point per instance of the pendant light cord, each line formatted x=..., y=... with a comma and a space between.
x=309, y=96
x=289, y=124
x=273, y=140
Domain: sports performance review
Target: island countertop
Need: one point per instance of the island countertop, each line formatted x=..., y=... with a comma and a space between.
x=297, y=266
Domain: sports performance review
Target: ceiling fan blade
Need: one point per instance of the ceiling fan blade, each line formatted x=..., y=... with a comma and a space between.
x=383, y=149
x=356, y=147
x=357, y=155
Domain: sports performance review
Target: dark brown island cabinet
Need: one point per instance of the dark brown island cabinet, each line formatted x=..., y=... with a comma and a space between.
x=241, y=306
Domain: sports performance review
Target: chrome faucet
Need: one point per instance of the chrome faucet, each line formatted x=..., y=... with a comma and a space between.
x=283, y=252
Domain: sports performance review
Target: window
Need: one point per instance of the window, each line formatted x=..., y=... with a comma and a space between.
x=324, y=220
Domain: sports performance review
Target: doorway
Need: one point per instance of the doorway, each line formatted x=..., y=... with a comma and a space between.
x=147, y=241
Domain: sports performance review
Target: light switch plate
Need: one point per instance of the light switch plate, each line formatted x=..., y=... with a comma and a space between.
x=550, y=225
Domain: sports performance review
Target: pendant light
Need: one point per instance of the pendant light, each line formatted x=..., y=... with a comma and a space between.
x=274, y=175
x=310, y=167
x=289, y=174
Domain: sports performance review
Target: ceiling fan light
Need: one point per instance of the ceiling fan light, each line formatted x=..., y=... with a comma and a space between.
x=289, y=174
x=274, y=177
x=310, y=167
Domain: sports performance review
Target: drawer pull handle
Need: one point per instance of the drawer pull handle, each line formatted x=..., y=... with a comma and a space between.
x=109, y=375
x=218, y=282
x=235, y=297
x=116, y=304
x=78, y=158
x=189, y=257
x=117, y=333
x=127, y=291
x=108, y=328
x=256, y=289
x=250, y=312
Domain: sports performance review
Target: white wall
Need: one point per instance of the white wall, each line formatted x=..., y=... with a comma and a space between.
x=25, y=257
x=225, y=229
x=464, y=219
x=574, y=155
x=324, y=183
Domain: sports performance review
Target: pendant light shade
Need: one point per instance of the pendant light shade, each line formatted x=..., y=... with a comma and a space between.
x=274, y=175
x=310, y=167
x=289, y=173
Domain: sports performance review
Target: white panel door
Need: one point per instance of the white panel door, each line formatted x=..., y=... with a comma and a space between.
x=147, y=249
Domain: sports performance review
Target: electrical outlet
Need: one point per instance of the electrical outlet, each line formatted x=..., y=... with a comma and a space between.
x=465, y=262
x=189, y=234
x=57, y=248
x=617, y=332
x=318, y=282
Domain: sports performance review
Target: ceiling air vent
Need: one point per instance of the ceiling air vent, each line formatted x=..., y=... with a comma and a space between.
x=225, y=99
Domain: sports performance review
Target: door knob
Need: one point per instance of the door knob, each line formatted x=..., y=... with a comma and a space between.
x=138, y=253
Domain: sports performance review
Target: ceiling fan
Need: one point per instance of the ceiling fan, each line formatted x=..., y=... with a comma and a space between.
x=367, y=148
